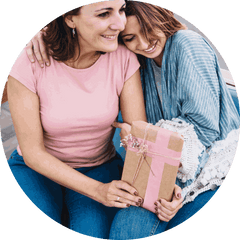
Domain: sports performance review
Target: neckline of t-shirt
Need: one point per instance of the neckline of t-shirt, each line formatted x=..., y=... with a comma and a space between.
x=155, y=65
x=83, y=69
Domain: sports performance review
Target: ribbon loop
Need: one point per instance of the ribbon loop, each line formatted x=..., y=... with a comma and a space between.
x=142, y=148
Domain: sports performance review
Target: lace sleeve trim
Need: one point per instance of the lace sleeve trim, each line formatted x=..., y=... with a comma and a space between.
x=221, y=157
x=216, y=168
x=192, y=147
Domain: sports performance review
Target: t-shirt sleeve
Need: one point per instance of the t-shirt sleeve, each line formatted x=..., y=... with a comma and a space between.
x=25, y=72
x=128, y=66
x=132, y=65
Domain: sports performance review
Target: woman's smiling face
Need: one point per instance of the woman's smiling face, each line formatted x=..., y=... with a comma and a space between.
x=98, y=25
x=135, y=41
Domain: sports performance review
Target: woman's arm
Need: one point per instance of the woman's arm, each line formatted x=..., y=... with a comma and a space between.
x=131, y=100
x=131, y=104
x=24, y=106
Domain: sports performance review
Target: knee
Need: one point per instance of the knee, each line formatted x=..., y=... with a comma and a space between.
x=132, y=223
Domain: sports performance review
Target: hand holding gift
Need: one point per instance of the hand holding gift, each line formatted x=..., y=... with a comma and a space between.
x=152, y=161
x=167, y=210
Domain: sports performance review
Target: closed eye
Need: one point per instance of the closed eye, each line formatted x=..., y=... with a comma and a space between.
x=105, y=14
x=123, y=9
x=128, y=39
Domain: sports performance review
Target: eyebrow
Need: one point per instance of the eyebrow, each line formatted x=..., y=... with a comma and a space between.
x=109, y=9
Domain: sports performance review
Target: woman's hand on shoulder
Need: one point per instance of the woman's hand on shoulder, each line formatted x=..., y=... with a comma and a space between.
x=118, y=194
x=167, y=210
x=36, y=49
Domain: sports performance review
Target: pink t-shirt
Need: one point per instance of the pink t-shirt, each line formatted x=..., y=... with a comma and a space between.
x=78, y=106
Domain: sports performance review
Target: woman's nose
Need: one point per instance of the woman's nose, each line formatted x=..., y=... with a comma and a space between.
x=118, y=22
x=142, y=44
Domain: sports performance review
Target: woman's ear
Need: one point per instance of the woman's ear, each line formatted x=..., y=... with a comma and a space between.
x=69, y=21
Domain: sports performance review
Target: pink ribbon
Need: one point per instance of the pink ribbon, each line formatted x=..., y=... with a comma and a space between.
x=142, y=150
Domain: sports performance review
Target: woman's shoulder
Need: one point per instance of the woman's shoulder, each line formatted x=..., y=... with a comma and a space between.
x=186, y=37
x=23, y=64
x=190, y=42
x=23, y=59
x=29, y=73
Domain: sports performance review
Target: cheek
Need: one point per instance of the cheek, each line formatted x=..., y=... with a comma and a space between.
x=91, y=26
x=130, y=46
x=124, y=19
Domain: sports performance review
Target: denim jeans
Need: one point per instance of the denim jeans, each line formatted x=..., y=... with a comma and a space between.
x=86, y=216
x=137, y=222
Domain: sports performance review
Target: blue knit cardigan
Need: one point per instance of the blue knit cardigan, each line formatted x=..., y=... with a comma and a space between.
x=192, y=88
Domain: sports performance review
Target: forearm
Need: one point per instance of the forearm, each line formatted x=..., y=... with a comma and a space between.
x=113, y=194
x=54, y=169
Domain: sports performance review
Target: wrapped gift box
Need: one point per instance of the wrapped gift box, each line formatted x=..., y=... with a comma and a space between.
x=152, y=161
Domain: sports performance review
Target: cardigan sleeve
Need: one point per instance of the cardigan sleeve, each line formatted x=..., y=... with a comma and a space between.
x=195, y=93
x=198, y=88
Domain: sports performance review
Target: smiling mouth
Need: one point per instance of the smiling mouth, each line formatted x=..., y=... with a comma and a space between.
x=110, y=37
x=151, y=49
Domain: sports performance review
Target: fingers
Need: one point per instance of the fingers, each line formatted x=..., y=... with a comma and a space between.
x=170, y=205
x=127, y=198
x=37, y=52
x=117, y=125
x=177, y=192
x=125, y=132
x=36, y=49
x=124, y=126
x=122, y=202
x=126, y=193
x=126, y=187
x=163, y=216
x=125, y=129
x=167, y=210
x=29, y=50
x=43, y=52
x=117, y=194
x=120, y=205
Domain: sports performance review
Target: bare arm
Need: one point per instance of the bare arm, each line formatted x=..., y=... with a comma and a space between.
x=131, y=104
x=131, y=100
x=24, y=106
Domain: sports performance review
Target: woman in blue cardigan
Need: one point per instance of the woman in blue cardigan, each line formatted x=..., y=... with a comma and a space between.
x=184, y=91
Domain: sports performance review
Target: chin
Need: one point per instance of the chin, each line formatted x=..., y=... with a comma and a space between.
x=110, y=49
x=153, y=55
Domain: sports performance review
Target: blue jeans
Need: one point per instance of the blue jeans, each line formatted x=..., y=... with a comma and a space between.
x=86, y=216
x=137, y=222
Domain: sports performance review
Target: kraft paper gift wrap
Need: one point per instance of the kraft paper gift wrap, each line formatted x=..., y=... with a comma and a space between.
x=152, y=161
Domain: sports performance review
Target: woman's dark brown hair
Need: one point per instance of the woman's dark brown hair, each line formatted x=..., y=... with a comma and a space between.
x=59, y=39
x=151, y=19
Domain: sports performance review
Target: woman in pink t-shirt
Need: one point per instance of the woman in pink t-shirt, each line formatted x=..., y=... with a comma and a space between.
x=63, y=117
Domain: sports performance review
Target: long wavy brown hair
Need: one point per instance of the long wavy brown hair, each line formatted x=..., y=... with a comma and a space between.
x=59, y=39
x=151, y=19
